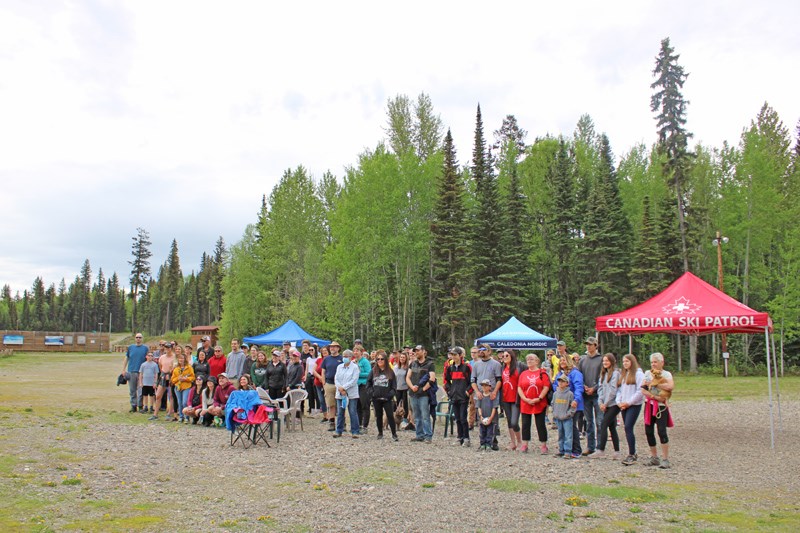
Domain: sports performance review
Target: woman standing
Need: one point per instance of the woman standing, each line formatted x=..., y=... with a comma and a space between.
x=318, y=383
x=534, y=384
x=400, y=372
x=656, y=412
x=259, y=371
x=575, y=380
x=201, y=366
x=629, y=399
x=182, y=379
x=508, y=395
x=382, y=386
x=276, y=376
x=607, y=400
x=166, y=362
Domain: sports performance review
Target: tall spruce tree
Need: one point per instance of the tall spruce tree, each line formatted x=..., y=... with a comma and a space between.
x=450, y=283
x=140, y=268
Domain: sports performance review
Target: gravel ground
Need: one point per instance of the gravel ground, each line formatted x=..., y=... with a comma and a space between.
x=194, y=480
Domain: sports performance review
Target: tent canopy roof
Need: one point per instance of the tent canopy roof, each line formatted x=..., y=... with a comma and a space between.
x=689, y=306
x=289, y=331
x=514, y=334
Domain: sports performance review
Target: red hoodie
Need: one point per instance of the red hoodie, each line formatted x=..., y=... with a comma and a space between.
x=221, y=394
x=216, y=365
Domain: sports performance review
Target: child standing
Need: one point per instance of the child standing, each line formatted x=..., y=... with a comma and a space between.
x=148, y=374
x=487, y=411
x=563, y=411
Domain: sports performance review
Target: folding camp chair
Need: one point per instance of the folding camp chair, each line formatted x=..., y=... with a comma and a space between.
x=251, y=427
x=276, y=405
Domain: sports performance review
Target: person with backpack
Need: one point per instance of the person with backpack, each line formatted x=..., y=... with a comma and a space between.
x=535, y=392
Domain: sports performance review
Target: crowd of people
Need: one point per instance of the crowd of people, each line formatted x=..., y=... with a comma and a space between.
x=581, y=397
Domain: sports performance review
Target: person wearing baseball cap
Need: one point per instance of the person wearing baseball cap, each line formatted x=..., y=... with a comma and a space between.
x=329, y=366
x=221, y=394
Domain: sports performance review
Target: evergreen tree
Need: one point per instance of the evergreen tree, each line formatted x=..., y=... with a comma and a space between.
x=172, y=279
x=85, y=294
x=100, y=299
x=648, y=272
x=38, y=321
x=25, y=319
x=11, y=306
x=449, y=284
x=140, y=268
x=116, y=304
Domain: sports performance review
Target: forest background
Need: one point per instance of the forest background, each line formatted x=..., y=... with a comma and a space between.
x=410, y=246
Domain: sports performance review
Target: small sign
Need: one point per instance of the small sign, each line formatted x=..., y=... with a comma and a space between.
x=54, y=340
x=725, y=355
x=14, y=340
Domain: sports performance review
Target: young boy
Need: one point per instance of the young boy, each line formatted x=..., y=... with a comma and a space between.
x=487, y=411
x=563, y=411
x=148, y=374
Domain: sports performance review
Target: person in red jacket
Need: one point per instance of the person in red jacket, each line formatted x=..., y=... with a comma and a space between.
x=223, y=390
x=533, y=386
x=508, y=394
x=216, y=364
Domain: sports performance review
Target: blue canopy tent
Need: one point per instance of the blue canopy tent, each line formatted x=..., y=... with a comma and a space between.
x=290, y=331
x=514, y=334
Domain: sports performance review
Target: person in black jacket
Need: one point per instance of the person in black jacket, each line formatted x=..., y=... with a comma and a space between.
x=294, y=372
x=276, y=376
x=457, y=385
x=382, y=386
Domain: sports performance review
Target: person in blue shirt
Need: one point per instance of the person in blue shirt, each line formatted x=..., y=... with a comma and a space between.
x=575, y=378
x=134, y=357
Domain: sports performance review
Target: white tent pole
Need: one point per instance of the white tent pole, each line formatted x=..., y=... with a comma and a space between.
x=630, y=343
x=769, y=386
x=777, y=383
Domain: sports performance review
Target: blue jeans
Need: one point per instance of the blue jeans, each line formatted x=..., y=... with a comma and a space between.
x=133, y=389
x=183, y=399
x=564, y=436
x=629, y=417
x=321, y=398
x=422, y=416
x=593, y=417
x=352, y=410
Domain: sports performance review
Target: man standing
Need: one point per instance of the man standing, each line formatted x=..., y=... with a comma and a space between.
x=364, y=400
x=236, y=360
x=590, y=365
x=206, y=347
x=346, y=382
x=134, y=357
x=561, y=351
x=329, y=366
x=482, y=369
x=420, y=377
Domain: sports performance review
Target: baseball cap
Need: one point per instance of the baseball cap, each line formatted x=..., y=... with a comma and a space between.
x=486, y=382
x=591, y=340
x=276, y=352
x=245, y=345
x=287, y=342
x=419, y=347
x=206, y=338
x=563, y=377
x=358, y=341
x=561, y=343
x=222, y=375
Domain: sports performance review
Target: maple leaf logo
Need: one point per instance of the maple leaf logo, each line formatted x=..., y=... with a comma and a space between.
x=682, y=306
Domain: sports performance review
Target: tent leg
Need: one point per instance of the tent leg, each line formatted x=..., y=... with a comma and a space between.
x=769, y=386
x=777, y=383
x=630, y=344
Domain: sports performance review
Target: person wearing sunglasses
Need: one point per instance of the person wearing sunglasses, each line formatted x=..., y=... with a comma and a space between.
x=217, y=362
x=382, y=386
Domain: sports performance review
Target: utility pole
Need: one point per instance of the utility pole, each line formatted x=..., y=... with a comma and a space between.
x=718, y=242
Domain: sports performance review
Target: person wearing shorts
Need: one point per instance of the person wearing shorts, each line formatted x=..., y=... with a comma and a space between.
x=329, y=366
x=148, y=374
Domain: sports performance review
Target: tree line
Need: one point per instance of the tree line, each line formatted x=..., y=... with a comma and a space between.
x=411, y=245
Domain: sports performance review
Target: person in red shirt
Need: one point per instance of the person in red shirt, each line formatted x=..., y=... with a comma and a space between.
x=216, y=364
x=223, y=390
x=508, y=395
x=533, y=386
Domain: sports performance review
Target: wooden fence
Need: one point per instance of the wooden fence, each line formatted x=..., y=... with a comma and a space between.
x=54, y=341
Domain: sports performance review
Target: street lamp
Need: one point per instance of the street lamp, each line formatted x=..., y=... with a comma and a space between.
x=718, y=242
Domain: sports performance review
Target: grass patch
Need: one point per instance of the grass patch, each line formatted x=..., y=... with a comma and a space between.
x=122, y=523
x=375, y=476
x=751, y=521
x=513, y=485
x=428, y=485
x=576, y=501
x=689, y=387
x=620, y=492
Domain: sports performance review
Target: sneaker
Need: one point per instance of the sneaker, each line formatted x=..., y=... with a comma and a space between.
x=576, y=456
x=569, y=456
x=394, y=438
x=323, y=421
x=332, y=428
x=495, y=448
x=355, y=435
x=629, y=460
x=665, y=464
x=652, y=461
x=615, y=456
x=543, y=449
x=153, y=417
x=194, y=421
x=417, y=439
x=458, y=442
x=428, y=441
x=467, y=443
x=559, y=455
x=337, y=435
x=586, y=453
x=523, y=448
x=364, y=430
x=597, y=454
x=151, y=410
x=380, y=436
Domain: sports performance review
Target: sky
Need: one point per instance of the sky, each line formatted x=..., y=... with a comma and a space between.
x=178, y=116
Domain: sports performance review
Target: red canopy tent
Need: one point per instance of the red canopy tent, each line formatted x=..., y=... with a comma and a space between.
x=690, y=306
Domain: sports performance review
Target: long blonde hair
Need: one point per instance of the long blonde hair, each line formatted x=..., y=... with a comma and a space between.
x=628, y=376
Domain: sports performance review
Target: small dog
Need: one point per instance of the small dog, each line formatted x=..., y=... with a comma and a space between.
x=399, y=415
x=659, y=395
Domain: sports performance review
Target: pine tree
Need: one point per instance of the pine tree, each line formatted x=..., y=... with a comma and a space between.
x=39, y=321
x=140, y=268
x=25, y=319
x=449, y=283
x=172, y=278
x=100, y=299
x=11, y=305
x=85, y=294
x=648, y=272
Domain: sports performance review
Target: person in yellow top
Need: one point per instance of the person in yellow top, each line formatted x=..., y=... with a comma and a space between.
x=182, y=379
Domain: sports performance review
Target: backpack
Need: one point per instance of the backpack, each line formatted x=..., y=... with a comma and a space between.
x=546, y=377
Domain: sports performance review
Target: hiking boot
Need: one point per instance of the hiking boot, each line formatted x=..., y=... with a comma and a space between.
x=665, y=464
x=629, y=460
x=652, y=461
x=133, y=409
x=597, y=454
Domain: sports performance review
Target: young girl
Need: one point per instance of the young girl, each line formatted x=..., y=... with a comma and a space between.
x=259, y=371
x=194, y=405
x=400, y=371
x=208, y=401
x=629, y=399
x=245, y=383
x=607, y=400
x=182, y=379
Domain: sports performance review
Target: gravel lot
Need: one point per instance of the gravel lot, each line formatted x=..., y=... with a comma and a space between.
x=190, y=477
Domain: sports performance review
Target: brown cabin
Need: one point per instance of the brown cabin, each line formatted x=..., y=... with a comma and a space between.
x=198, y=332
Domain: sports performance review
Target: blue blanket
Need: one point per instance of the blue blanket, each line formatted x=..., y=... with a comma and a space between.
x=240, y=399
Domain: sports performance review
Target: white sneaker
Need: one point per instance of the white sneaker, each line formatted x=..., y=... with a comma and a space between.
x=597, y=454
x=616, y=456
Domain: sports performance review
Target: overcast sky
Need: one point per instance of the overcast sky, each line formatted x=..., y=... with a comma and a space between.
x=178, y=116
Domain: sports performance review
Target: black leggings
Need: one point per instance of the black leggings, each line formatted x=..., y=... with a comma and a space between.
x=609, y=423
x=384, y=406
x=402, y=399
x=660, y=419
x=460, y=415
x=363, y=405
x=541, y=427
